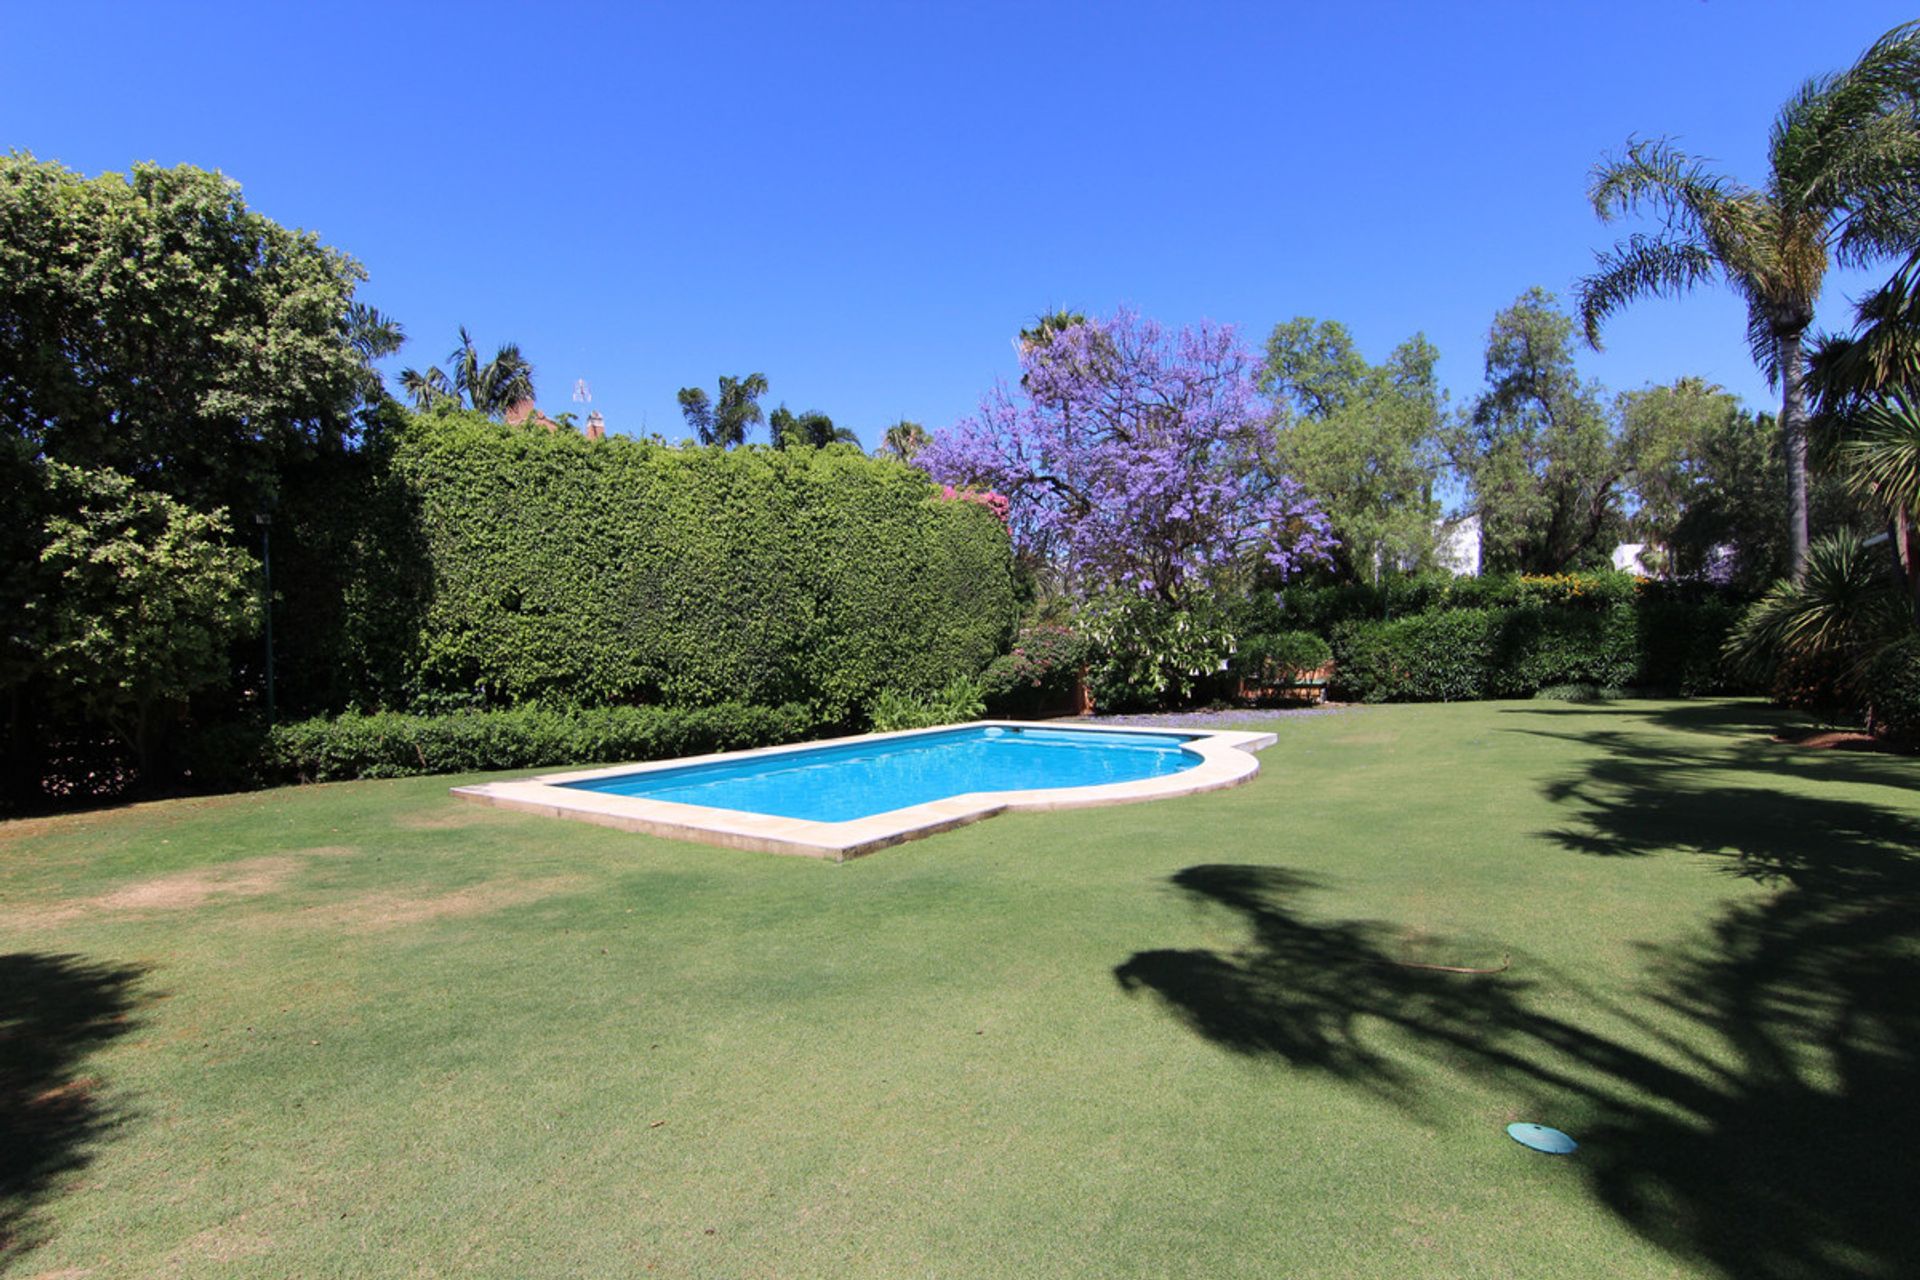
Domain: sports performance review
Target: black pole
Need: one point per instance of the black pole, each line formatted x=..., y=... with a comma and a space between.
x=266, y=566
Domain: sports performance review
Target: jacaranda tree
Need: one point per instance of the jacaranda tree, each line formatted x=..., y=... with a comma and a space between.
x=1130, y=456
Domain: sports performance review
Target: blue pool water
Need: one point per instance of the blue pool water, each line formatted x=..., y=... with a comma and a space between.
x=859, y=779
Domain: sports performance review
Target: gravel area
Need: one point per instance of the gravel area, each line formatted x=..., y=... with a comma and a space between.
x=1220, y=719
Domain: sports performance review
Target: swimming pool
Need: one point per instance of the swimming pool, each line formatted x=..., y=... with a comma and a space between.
x=850, y=796
x=875, y=775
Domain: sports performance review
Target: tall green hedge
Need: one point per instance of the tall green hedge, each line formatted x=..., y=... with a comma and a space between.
x=1458, y=654
x=577, y=573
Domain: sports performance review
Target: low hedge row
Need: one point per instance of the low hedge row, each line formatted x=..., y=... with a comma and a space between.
x=1895, y=689
x=396, y=745
x=1320, y=608
x=1461, y=654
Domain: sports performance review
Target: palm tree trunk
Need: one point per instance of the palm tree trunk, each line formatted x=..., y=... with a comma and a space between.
x=1793, y=431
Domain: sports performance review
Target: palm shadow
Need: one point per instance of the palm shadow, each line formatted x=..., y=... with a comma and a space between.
x=55, y=1011
x=1748, y=1107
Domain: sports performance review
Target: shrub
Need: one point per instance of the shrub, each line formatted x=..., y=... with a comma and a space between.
x=1536, y=646
x=1038, y=675
x=1680, y=642
x=1647, y=640
x=563, y=572
x=958, y=703
x=1433, y=657
x=1577, y=693
x=1895, y=690
x=394, y=745
x=1276, y=657
x=1321, y=608
x=1147, y=652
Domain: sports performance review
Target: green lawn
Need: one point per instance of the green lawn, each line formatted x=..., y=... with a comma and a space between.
x=366, y=1029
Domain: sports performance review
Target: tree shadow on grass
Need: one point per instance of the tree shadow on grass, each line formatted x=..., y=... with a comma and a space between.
x=55, y=1010
x=1750, y=1107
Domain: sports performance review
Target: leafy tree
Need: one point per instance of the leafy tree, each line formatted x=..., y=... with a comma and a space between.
x=1841, y=188
x=1537, y=450
x=1362, y=439
x=725, y=422
x=152, y=324
x=491, y=387
x=143, y=598
x=1130, y=459
x=903, y=440
x=809, y=430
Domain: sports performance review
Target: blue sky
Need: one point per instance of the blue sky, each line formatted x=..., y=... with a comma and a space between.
x=865, y=202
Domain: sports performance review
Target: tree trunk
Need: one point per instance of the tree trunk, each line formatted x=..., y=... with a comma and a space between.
x=1793, y=433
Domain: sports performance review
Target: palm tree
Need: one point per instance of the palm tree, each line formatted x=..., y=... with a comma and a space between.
x=903, y=440
x=727, y=421
x=373, y=336
x=490, y=388
x=809, y=430
x=1866, y=423
x=1843, y=187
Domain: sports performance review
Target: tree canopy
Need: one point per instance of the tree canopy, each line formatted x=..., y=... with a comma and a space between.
x=727, y=420
x=151, y=323
x=1536, y=449
x=1843, y=187
x=1363, y=439
x=1130, y=457
x=491, y=387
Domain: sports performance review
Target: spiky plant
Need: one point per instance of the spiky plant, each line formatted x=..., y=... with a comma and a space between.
x=1839, y=616
x=1843, y=188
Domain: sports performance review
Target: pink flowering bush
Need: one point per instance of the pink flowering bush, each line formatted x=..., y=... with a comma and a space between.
x=1039, y=673
x=994, y=502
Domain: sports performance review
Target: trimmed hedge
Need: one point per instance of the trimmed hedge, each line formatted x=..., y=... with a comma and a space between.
x=1270, y=656
x=1896, y=690
x=513, y=566
x=1461, y=654
x=396, y=745
x=594, y=573
x=1322, y=608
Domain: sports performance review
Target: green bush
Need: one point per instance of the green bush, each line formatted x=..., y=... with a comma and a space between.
x=1516, y=652
x=1680, y=641
x=958, y=703
x=1038, y=674
x=1895, y=690
x=562, y=572
x=1275, y=657
x=1433, y=657
x=1146, y=652
x=1322, y=608
x=395, y=745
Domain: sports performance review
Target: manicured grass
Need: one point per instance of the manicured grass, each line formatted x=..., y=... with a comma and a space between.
x=366, y=1029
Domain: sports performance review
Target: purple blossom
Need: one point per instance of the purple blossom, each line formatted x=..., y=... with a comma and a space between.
x=1130, y=456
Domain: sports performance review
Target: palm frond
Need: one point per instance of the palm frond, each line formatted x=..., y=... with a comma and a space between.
x=1882, y=454
x=1640, y=266
x=1845, y=609
x=429, y=390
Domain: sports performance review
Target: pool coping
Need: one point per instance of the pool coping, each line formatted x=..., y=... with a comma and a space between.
x=1226, y=760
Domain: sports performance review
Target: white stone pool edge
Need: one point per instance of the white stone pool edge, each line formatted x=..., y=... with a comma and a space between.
x=1226, y=760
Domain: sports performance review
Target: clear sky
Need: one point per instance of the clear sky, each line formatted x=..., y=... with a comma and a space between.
x=865, y=202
